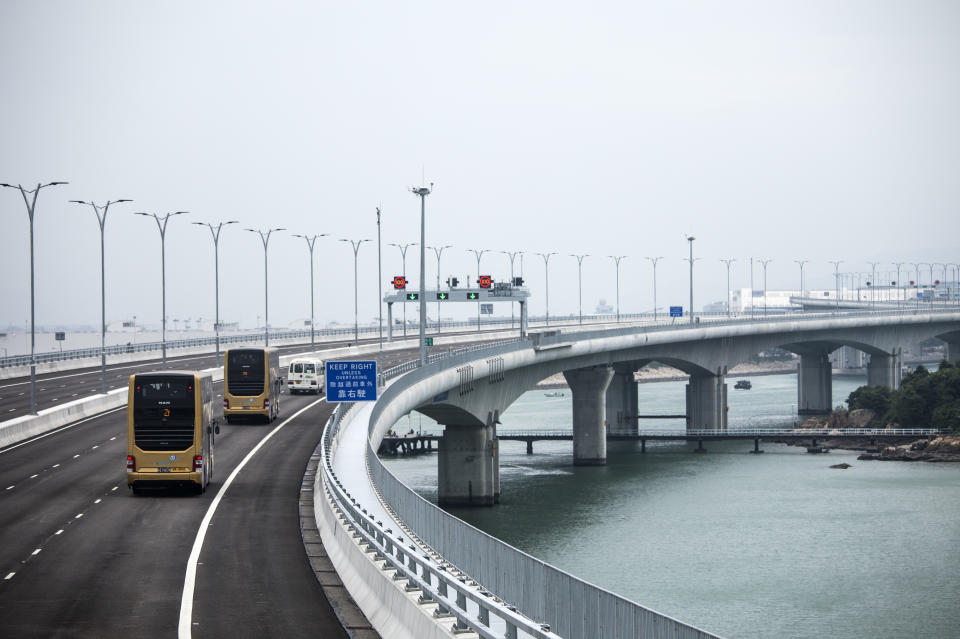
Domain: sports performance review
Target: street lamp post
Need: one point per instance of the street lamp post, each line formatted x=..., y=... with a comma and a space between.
x=580, y=281
x=356, y=321
x=31, y=209
x=801, y=263
x=728, y=262
x=898, y=283
x=764, y=264
x=836, y=280
x=873, y=283
x=690, y=259
x=653, y=261
x=546, y=271
x=215, y=233
x=616, y=259
x=162, y=227
x=311, y=240
x=403, y=256
x=479, y=254
x=438, y=251
x=102, y=220
x=423, y=192
x=512, y=256
x=265, y=238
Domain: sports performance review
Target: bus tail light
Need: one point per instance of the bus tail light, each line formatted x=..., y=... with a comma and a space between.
x=131, y=464
x=226, y=404
x=198, y=463
x=266, y=404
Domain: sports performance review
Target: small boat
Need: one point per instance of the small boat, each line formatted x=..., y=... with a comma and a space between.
x=554, y=394
x=743, y=384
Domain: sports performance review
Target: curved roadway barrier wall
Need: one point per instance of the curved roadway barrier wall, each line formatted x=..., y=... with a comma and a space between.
x=574, y=608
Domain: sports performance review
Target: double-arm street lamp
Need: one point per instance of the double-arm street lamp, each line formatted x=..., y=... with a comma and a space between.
x=690, y=259
x=102, y=220
x=265, y=238
x=616, y=259
x=653, y=261
x=546, y=271
x=162, y=227
x=873, y=283
x=580, y=280
x=311, y=240
x=801, y=263
x=403, y=255
x=836, y=280
x=728, y=261
x=764, y=264
x=423, y=192
x=356, y=322
x=31, y=203
x=512, y=255
x=215, y=234
x=479, y=254
x=438, y=251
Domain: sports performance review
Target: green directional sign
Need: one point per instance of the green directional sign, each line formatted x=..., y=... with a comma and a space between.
x=443, y=296
x=413, y=296
x=473, y=296
x=428, y=341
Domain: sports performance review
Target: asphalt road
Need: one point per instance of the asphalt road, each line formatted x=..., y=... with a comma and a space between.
x=82, y=557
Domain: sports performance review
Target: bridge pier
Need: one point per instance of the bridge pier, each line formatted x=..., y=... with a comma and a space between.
x=468, y=473
x=706, y=403
x=953, y=351
x=389, y=321
x=756, y=446
x=622, y=402
x=589, y=389
x=885, y=370
x=815, y=383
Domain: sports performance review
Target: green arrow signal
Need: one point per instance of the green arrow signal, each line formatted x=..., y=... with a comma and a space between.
x=472, y=296
x=443, y=296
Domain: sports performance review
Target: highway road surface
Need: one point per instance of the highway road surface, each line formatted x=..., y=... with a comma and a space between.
x=82, y=557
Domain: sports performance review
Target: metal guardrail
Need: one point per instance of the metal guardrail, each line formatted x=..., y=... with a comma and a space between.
x=741, y=432
x=438, y=582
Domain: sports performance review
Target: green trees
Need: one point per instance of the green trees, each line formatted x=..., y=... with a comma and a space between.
x=925, y=399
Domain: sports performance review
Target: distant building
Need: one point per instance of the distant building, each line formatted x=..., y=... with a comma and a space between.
x=603, y=308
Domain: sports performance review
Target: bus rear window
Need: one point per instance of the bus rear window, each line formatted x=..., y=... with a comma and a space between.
x=246, y=372
x=309, y=368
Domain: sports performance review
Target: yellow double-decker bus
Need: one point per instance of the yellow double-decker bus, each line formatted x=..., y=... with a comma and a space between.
x=170, y=430
x=251, y=383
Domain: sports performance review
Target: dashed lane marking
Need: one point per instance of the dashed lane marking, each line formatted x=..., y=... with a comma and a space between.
x=53, y=432
x=9, y=576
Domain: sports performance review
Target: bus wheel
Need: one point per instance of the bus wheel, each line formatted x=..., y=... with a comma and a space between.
x=135, y=490
x=199, y=488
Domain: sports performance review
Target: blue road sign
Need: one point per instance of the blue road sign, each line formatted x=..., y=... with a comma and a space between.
x=676, y=311
x=351, y=381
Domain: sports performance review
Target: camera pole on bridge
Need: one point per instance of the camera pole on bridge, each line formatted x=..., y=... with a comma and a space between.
x=423, y=192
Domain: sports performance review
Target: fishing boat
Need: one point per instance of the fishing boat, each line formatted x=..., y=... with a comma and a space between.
x=743, y=384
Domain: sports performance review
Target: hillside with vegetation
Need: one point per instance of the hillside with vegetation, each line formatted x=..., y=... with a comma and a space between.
x=924, y=400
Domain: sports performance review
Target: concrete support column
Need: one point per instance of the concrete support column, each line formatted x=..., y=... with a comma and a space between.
x=885, y=370
x=814, y=383
x=466, y=466
x=953, y=351
x=589, y=388
x=706, y=402
x=622, y=402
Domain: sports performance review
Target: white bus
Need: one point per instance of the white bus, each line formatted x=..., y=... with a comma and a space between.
x=305, y=375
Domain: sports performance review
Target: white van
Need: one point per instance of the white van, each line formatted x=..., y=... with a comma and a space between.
x=305, y=375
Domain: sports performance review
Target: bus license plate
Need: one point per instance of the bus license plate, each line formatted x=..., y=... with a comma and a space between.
x=163, y=470
x=246, y=408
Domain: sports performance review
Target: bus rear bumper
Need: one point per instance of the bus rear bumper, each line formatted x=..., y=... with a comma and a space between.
x=159, y=480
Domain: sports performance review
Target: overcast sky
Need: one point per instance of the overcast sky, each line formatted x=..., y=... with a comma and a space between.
x=783, y=130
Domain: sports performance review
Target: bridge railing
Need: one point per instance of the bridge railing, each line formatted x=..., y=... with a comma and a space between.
x=473, y=610
x=739, y=432
x=575, y=609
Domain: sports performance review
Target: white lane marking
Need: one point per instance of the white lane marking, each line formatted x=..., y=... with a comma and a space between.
x=36, y=552
x=63, y=385
x=19, y=394
x=59, y=532
x=97, y=501
x=55, y=466
x=189, y=579
x=10, y=487
x=79, y=516
x=53, y=432
x=95, y=447
x=114, y=488
x=75, y=456
x=74, y=394
x=55, y=399
x=11, y=410
x=34, y=476
x=10, y=576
